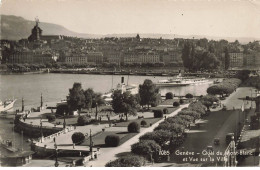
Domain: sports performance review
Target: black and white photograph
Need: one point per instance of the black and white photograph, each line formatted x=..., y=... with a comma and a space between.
x=129, y=83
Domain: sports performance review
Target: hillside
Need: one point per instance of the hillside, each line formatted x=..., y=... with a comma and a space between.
x=15, y=28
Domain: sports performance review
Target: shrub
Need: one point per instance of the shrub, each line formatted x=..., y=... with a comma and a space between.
x=176, y=104
x=133, y=127
x=112, y=140
x=165, y=111
x=83, y=120
x=51, y=118
x=189, y=96
x=181, y=101
x=145, y=148
x=169, y=95
x=78, y=138
x=127, y=161
x=143, y=123
x=158, y=113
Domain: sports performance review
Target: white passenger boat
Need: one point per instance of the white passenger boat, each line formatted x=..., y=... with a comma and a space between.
x=180, y=81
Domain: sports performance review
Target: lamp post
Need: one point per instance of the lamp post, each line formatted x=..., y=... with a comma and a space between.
x=64, y=121
x=90, y=144
x=22, y=105
x=41, y=129
x=56, y=155
x=251, y=98
x=41, y=101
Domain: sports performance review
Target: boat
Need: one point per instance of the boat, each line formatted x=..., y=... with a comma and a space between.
x=7, y=105
x=180, y=81
x=132, y=88
x=8, y=145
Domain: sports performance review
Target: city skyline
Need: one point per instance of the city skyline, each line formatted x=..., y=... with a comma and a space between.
x=214, y=18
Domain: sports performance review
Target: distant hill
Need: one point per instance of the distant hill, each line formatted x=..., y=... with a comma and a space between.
x=15, y=28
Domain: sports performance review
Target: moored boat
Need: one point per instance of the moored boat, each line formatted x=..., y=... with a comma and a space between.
x=180, y=81
x=7, y=105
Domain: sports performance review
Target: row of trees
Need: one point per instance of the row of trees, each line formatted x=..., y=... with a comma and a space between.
x=226, y=87
x=79, y=98
x=195, y=59
x=128, y=104
x=122, y=102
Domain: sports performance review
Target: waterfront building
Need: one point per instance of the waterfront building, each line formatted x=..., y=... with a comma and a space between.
x=236, y=60
x=149, y=58
x=77, y=59
x=95, y=57
x=30, y=56
x=131, y=58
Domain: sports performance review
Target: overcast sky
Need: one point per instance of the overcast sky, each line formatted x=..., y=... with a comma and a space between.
x=225, y=18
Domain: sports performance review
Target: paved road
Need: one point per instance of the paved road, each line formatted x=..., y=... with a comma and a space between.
x=109, y=154
x=216, y=125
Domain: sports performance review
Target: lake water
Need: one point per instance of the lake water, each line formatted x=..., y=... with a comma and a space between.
x=55, y=87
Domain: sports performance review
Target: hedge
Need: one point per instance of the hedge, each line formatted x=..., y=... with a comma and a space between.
x=143, y=123
x=133, y=127
x=112, y=140
x=165, y=111
x=83, y=120
x=169, y=95
x=78, y=138
x=158, y=113
x=176, y=104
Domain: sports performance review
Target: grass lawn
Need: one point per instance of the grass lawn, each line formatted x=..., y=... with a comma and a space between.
x=170, y=101
x=99, y=139
x=148, y=121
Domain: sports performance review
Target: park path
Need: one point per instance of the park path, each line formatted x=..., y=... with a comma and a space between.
x=110, y=154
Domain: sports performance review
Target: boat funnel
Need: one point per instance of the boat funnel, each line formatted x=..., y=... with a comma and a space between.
x=122, y=80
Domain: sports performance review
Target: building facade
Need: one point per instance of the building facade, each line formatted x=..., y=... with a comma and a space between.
x=236, y=60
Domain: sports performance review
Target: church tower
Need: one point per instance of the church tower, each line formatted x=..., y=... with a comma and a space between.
x=36, y=32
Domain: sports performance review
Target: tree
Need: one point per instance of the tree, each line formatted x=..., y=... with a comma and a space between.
x=89, y=95
x=78, y=138
x=243, y=75
x=97, y=101
x=188, y=52
x=146, y=148
x=159, y=136
x=149, y=93
x=227, y=58
x=93, y=100
x=127, y=161
x=76, y=98
x=208, y=100
x=124, y=103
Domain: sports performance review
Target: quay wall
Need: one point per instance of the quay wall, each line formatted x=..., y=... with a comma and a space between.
x=34, y=131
